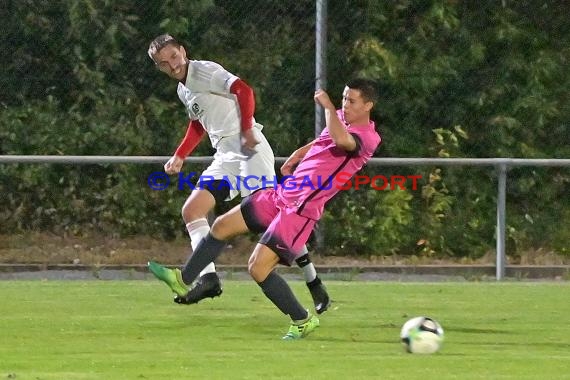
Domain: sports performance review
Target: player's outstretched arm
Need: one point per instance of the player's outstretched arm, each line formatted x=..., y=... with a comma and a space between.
x=289, y=166
x=337, y=130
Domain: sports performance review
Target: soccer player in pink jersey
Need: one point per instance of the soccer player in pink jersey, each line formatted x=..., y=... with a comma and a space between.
x=220, y=105
x=287, y=214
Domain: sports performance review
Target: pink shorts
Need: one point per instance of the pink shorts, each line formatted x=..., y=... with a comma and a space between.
x=284, y=231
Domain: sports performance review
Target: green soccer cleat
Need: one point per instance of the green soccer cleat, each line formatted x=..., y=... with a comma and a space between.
x=298, y=331
x=171, y=277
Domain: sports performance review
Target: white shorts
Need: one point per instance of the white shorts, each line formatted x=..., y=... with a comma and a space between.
x=244, y=173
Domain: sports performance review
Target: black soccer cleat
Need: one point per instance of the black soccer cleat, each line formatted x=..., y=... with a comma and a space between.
x=320, y=296
x=207, y=286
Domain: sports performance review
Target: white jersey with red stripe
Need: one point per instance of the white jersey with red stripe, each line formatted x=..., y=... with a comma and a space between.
x=207, y=98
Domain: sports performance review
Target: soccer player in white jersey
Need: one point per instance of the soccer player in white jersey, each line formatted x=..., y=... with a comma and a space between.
x=220, y=105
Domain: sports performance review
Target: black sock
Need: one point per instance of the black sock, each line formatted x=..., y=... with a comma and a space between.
x=316, y=282
x=206, y=252
x=279, y=292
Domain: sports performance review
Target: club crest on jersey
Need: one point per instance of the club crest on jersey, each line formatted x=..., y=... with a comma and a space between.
x=196, y=109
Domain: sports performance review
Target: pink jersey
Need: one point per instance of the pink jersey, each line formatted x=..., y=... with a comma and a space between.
x=325, y=168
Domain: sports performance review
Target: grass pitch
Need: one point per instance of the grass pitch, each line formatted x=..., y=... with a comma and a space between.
x=133, y=330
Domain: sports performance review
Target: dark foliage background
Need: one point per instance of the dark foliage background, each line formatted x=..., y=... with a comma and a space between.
x=458, y=79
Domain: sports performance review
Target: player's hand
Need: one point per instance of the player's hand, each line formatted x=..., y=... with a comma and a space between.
x=289, y=166
x=322, y=98
x=174, y=165
x=248, y=139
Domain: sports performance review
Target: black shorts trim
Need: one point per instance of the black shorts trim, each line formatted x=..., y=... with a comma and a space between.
x=247, y=212
x=219, y=188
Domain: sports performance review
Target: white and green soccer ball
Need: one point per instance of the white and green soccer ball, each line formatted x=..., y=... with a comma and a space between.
x=422, y=335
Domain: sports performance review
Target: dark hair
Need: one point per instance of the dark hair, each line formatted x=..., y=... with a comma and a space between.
x=368, y=89
x=160, y=42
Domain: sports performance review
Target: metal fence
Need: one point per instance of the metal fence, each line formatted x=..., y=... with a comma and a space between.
x=501, y=165
x=222, y=31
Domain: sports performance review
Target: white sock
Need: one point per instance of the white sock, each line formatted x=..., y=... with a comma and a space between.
x=198, y=229
x=309, y=271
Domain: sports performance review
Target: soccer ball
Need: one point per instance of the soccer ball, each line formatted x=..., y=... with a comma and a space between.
x=422, y=335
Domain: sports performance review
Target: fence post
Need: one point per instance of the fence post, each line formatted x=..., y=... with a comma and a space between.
x=501, y=211
x=320, y=82
x=320, y=59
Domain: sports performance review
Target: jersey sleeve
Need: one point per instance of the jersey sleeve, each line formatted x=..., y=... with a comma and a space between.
x=246, y=103
x=358, y=146
x=221, y=80
x=208, y=76
x=191, y=140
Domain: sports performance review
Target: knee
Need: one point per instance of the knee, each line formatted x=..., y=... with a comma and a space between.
x=186, y=214
x=189, y=213
x=254, y=270
x=220, y=227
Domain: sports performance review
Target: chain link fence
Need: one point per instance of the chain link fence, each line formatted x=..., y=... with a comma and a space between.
x=457, y=80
